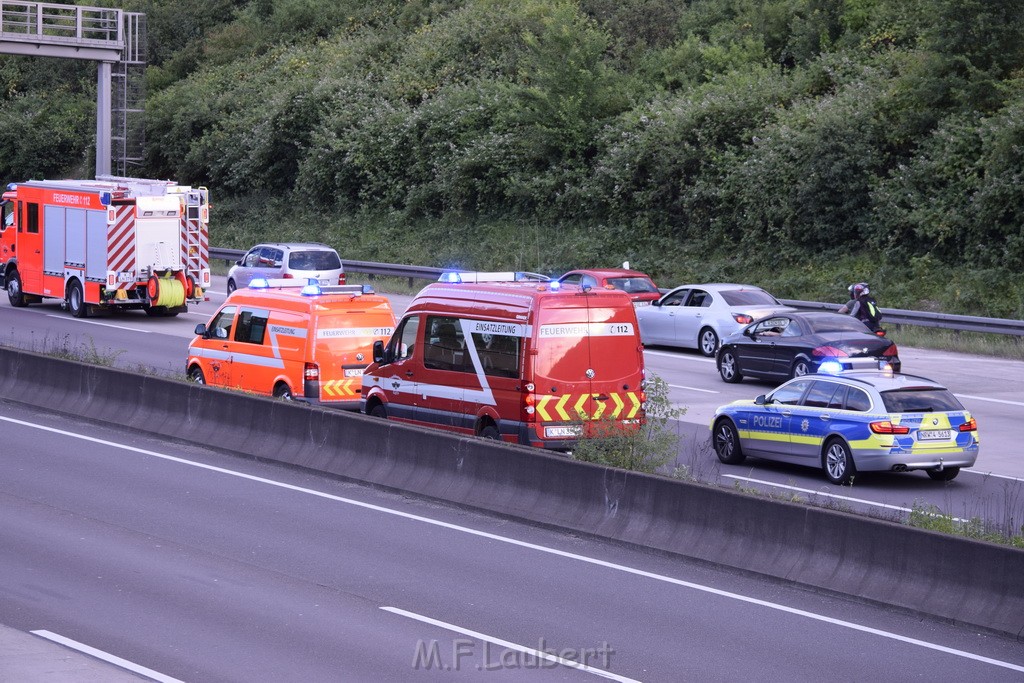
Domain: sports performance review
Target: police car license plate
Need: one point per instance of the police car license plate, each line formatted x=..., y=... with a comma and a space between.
x=562, y=432
x=934, y=435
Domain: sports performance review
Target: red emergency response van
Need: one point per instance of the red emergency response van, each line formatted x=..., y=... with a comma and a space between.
x=526, y=362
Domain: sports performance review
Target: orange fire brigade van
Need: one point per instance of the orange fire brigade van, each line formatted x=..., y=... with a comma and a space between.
x=524, y=362
x=292, y=340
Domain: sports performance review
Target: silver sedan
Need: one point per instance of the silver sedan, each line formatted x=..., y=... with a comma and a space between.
x=698, y=316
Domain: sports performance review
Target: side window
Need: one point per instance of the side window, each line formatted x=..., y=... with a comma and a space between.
x=252, y=258
x=589, y=281
x=773, y=327
x=857, y=400
x=790, y=394
x=403, y=342
x=821, y=394
x=8, y=215
x=444, y=344
x=791, y=329
x=572, y=279
x=252, y=326
x=276, y=257
x=676, y=298
x=838, y=399
x=499, y=354
x=33, y=217
x=266, y=257
x=697, y=298
x=220, y=328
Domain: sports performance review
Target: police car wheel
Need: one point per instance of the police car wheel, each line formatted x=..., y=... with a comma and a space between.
x=708, y=342
x=727, y=443
x=195, y=374
x=14, y=291
x=947, y=474
x=728, y=368
x=800, y=368
x=838, y=462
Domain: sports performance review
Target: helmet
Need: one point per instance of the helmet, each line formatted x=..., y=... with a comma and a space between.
x=858, y=289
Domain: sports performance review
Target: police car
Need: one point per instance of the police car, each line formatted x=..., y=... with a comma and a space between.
x=861, y=420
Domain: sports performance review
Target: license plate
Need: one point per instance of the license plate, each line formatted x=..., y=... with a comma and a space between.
x=562, y=432
x=354, y=372
x=638, y=304
x=325, y=281
x=126, y=277
x=934, y=435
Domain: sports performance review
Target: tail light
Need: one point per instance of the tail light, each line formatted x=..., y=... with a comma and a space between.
x=288, y=276
x=886, y=427
x=879, y=333
x=969, y=426
x=311, y=373
x=891, y=351
x=341, y=279
x=529, y=402
x=742, y=318
x=828, y=352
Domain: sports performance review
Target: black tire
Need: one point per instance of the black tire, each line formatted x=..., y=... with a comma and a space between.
x=837, y=462
x=800, y=368
x=729, y=367
x=76, y=300
x=195, y=375
x=490, y=432
x=14, y=290
x=946, y=474
x=283, y=392
x=379, y=411
x=161, y=312
x=707, y=342
x=231, y=286
x=726, y=441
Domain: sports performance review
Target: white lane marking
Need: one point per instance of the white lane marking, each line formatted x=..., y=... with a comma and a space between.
x=828, y=495
x=705, y=391
x=540, y=654
x=93, y=322
x=106, y=656
x=532, y=546
x=680, y=356
x=990, y=400
x=991, y=474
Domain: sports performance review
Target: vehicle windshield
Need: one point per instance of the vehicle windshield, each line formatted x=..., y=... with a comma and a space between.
x=633, y=285
x=922, y=400
x=749, y=297
x=836, y=323
x=314, y=260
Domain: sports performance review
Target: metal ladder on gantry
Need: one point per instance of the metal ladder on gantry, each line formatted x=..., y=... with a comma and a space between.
x=114, y=38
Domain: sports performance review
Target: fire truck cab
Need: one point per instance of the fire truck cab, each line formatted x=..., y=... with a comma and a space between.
x=532, y=363
x=107, y=243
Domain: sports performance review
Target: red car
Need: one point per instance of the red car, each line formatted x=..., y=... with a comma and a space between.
x=639, y=286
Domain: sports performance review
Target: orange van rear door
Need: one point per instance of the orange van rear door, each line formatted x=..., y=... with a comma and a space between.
x=344, y=347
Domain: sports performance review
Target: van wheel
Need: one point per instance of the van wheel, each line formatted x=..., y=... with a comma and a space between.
x=283, y=392
x=379, y=411
x=76, y=300
x=14, y=292
x=195, y=374
x=231, y=287
x=490, y=432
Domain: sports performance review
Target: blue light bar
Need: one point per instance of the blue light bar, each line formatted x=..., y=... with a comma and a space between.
x=259, y=283
x=830, y=367
x=450, y=276
x=311, y=290
x=555, y=285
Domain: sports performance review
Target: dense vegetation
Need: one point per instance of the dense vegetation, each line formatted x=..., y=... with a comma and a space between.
x=799, y=144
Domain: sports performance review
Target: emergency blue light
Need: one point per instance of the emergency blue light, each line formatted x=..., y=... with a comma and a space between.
x=105, y=198
x=259, y=283
x=451, y=277
x=555, y=286
x=830, y=367
x=311, y=290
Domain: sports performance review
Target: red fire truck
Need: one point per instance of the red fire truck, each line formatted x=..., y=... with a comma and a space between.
x=109, y=243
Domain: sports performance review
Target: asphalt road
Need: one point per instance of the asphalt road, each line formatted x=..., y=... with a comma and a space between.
x=993, y=389
x=202, y=566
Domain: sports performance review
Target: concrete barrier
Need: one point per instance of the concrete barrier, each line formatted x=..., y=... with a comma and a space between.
x=950, y=577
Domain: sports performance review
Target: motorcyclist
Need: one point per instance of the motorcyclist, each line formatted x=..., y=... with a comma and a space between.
x=863, y=306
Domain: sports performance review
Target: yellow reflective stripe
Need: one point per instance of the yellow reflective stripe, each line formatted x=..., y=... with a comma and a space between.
x=560, y=407
x=600, y=406
x=619, y=405
x=635, y=400
x=541, y=403
x=579, y=406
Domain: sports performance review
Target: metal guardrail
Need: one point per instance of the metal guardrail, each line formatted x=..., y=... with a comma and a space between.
x=891, y=316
